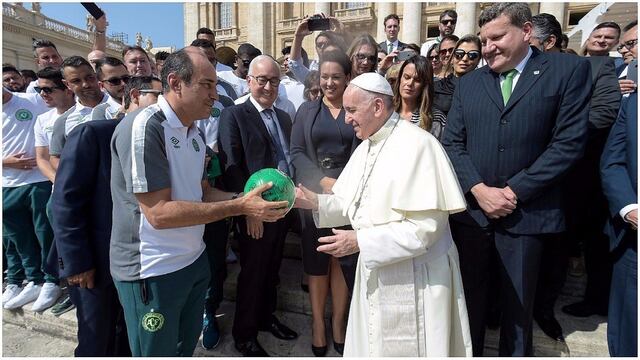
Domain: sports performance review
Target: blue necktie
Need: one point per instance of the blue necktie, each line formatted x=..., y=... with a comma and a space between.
x=275, y=139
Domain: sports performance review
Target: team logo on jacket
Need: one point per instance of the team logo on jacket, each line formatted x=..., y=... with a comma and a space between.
x=152, y=321
x=24, y=115
x=215, y=112
x=196, y=147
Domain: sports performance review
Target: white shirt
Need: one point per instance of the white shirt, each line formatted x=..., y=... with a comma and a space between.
x=222, y=67
x=79, y=115
x=291, y=90
x=114, y=107
x=209, y=126
x=44, y=127
x=281, y=103
x=18, y=120
x=424, y=49
x=239, y=85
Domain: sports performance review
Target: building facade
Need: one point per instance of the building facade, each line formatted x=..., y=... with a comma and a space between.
x=270, y=26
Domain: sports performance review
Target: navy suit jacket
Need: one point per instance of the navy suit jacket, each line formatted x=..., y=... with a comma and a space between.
x=619, y=167
x=81, y=204
x=528, y=145
x=244, y=143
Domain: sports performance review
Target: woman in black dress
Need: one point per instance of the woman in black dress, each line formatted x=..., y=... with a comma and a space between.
x=321, y=144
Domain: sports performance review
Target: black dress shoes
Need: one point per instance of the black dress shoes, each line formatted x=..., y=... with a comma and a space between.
x=251, y=348
x=339, y=347
x=319, y=351
x=550, y=326
x=279, y=330
x=583, y=309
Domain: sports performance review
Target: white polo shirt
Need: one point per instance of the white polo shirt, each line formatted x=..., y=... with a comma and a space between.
x=18, y=120
x=44, y=127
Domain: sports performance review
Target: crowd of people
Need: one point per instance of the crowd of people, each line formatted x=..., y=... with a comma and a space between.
x=443, y=187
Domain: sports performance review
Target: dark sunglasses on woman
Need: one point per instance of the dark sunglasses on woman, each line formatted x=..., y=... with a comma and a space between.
x=472, y=55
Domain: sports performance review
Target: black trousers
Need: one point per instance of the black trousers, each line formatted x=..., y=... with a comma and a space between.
x=102, y=330
x=518, y=259
x=553, y=273
x=256, y=296
x=215, y=238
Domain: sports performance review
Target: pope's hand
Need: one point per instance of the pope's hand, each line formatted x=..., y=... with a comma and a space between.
x=343, y=243
x=305, y=198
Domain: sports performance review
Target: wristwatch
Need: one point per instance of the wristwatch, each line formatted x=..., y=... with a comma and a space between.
x=235, y=196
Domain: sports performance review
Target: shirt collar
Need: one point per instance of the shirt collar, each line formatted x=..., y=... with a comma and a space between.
x=258, y=106
x=386, y=129
x=523, y=63
x=169, y=114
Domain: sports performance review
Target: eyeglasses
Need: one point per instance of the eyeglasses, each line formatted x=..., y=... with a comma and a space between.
x=124, y=79
x=447, y=22
x=322, y=45
x=150, y=91
x=629, y=45
x=472, y=55
x=262, y=81
x=434, y=58
x=363, y=57
x=47, y=90
x=446, y=51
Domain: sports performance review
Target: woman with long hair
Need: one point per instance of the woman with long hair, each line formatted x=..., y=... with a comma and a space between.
x=413, y=96
x=433, y=55
x=363, y=53
x=321, y=144
x=466, y=57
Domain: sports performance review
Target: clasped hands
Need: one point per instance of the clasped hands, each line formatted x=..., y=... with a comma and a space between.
x=495, y=202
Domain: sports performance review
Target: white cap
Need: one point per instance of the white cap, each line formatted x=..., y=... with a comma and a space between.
x=373, y=82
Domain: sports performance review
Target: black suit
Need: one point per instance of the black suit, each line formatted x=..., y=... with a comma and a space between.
x=82, y=227
x=586, y=206
x=246, y=147
x=528, y=145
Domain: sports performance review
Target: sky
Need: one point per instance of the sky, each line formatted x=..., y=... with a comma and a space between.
x=162, y=21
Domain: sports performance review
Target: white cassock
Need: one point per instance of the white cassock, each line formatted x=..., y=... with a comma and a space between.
x=408, y=298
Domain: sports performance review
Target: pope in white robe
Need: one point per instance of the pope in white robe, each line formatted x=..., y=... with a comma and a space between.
x=397, y=192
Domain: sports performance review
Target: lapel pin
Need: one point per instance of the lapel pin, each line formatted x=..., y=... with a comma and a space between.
x=536, y=72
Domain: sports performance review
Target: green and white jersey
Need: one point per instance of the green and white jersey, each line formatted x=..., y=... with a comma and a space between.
x=152, y=150
x=18, y=119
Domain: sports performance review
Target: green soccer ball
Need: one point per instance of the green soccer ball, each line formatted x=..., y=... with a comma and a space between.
x=282, y=189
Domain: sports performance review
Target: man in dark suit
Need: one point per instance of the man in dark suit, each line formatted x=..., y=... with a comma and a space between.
x=515, y=128
x=619, y=171
x=585, y=204
x=82, y=227
x=252, y=136
x=391, y=30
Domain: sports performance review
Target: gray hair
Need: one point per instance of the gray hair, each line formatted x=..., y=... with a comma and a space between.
x=261, y=58
x=545, y=25
x=370, y=96
x=518, y=13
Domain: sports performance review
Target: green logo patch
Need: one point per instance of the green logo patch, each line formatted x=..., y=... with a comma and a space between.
x=152, y=321
x=215, y=112
x=24, y=115
x=195, y=145
x=175, y=142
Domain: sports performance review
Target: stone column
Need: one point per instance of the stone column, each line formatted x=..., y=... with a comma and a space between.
x=191, y=21
x=384, y=9
x=256, y=27
x=323, y=7
x=555, y=9
x=411, y=16
x=467, y=18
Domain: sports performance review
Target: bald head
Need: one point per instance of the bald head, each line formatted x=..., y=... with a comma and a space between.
x=264, y=61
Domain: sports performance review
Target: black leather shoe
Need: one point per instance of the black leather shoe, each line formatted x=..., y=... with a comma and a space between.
x=251, y=348
x=319, y=351
x=339, y=347
x=583, y=309
x=279, y=330
x=550, y=326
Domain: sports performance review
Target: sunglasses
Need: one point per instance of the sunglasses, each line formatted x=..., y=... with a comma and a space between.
x=446, y=51
x=629, y=45
x=47, y=90
x=322, y=45
x=447, y=22
x=262, y=81
x=472, y=55
x=124, y=79
x=363, y=57
x=434, y=58
x=149, y=91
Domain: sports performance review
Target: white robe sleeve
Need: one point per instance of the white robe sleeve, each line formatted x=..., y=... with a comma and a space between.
x=396, y=241
x=330, y=212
